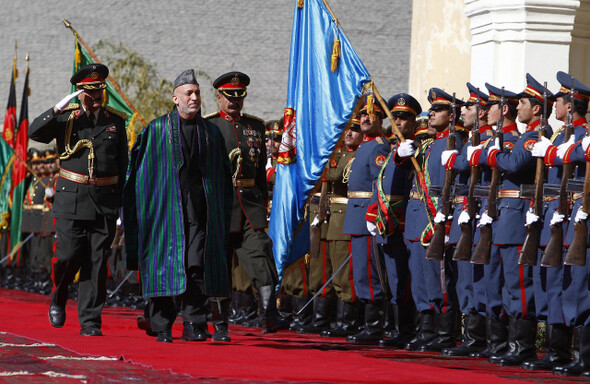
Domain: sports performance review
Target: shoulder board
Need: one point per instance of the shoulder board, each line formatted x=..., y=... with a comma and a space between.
x=253, y=117
x=379, y=140
x=586, y=125
x=211, y=115
x=71, y=107
x=112, y=110
x=515, y=133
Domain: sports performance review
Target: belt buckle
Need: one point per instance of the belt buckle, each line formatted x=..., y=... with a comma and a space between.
x=91, y=180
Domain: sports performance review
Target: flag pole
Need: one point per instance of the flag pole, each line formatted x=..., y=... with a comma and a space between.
x=115, y=85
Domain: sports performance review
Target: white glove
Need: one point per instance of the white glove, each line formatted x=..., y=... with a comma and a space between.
x=464, y=217
x=580, y=216
x=66, y=100
x=562, y=149
x=439, y=218
x=119, y=222
x=372, y=228
x=585, y=143
x=496, y=145
x=269, y=163
x=315, y=222
x=557, y=218
x=406, y=149
x=472, y=149
x=540, y=147
x=446, y=155
x=485, y=220
x=49, y=193
x=530, y=218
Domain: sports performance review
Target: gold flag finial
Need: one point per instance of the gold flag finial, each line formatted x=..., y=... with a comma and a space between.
x=67, y=23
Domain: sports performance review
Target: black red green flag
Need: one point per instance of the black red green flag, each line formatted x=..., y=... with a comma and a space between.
x=10, y=116
x=19, y=171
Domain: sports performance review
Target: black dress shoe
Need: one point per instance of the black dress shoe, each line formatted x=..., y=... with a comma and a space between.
x=57, y=315
x=193, y=332
x=164, y=336
x=90, y=331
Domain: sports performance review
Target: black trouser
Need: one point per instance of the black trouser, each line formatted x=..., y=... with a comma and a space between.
x=83, y=245
x=253, y=248
x=162, y=310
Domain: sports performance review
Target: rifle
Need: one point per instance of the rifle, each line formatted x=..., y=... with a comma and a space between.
x=436, y=249
x=554, y=248
x=576, y=253
x=483, y=249
x=465, y=242
x=315, y=232
x=530, y=247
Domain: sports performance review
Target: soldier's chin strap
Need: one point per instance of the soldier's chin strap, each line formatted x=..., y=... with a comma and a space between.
x=84, y=143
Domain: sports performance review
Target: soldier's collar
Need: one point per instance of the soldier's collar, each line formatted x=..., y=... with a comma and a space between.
x=580, y=121
x=228, y=117
x=510, y=127
x=443, y=134
x=369, y=138
x=532, y=126
x=485, y=128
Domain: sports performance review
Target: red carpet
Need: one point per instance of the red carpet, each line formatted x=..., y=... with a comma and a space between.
x=250, y=357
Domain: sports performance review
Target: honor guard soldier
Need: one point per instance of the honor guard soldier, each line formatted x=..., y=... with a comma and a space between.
x=470, y=285
x=574, y=297
x=368, y=160
x=333, y=249
x=439, y=276
x=386, y=220
x=244, y=140
x=515, y=297
x=93, y=146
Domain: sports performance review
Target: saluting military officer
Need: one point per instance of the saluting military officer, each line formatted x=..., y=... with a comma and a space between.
x=93, y=146
x=244, y=140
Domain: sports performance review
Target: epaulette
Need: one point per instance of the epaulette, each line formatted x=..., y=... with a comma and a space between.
x=211, y=115
x=112, y=110
x=253, y=117
x=71, y=107
x=379, y=140
x=515, y=133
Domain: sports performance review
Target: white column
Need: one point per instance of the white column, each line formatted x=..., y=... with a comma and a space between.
x=512, y=37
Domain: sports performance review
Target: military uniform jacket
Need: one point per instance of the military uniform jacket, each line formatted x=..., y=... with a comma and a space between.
x=396, y=182
x=247, y=134
x=434, y=172
x=83, y=201
x=368, y=159
x=518, y=167
x=335, y=176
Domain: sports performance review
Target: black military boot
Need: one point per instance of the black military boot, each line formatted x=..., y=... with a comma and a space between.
x=285, y=309
x=322, y=316
x=271, y=321
x=300, y=318
x=557, y=352
x=405, y=327
x=347, y=320
x=234, y=308
x=521, y=343
x=219, y=316
x=252, y=317
x=426, y=331
x=389, y=321
x=581, y=356
x=373, y=329
x=446, y=333
x=474, y=337
x=496, y=339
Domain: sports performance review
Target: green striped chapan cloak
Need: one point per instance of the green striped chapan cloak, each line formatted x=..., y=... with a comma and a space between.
x=152, y=209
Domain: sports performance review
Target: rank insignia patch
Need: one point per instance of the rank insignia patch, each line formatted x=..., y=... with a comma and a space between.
x=528, y=145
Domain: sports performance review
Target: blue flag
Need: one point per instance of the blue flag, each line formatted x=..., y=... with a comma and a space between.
x=326, y=79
